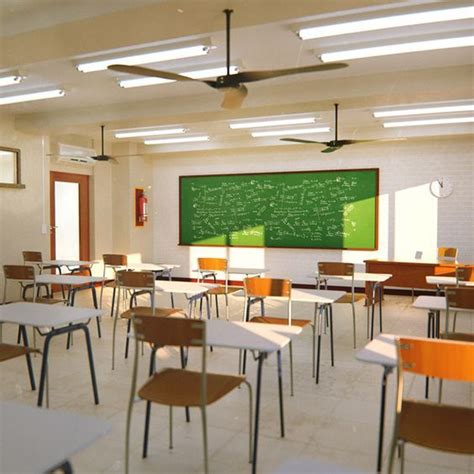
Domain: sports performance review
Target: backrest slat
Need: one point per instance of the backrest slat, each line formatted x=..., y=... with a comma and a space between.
x=218, y=264
x=460, y=297
x=32, y=256
x=19, y=272
x=335, y=268
x=163, y=332
x=261, y=287
x=115, y=259
x=447, y=253
x=451, y=360
x=136, y=280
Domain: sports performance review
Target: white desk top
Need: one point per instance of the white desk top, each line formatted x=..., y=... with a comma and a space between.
x=237, y=271
x=381, y=351
x=305, y=296
x=44, y=315
x=67, y=279
x=66, y=263
x=35, y=440
x=169, y=266
x=447, y=280
x=436, y=303
x=250, y=336
x=183, y=287
x=141, y=266
x=359, y=276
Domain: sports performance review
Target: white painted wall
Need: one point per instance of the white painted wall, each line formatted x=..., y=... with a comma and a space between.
x=410, y=218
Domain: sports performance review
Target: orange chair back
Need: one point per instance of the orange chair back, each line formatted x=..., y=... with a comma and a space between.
x=465, y=273
x=115, y=259
x=447, y=252
x=128, y=279
x=163, y=332
x=261, y=287
x=453, y=360
x=206, y=263
x=19, y=272
x=31, y=256
x=335, y=268
x=460, y=297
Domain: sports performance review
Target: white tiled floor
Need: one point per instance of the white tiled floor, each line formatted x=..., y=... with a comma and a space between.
x=334, y=422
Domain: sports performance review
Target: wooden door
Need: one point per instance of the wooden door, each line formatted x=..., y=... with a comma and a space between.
x=69, y=216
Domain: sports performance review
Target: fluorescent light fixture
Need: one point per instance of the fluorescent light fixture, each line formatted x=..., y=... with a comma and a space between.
x=398, y=49
x=415, y=123
x=201, y=74
x=383, y=23
x=273, y=123
x=300, y=131
x=443, y=109
x=10, y=80
x=13, y=99
x=149, y=133
x=146, y=58
x=165, y=141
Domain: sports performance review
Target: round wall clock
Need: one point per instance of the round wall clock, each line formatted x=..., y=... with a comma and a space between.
x=441, y=187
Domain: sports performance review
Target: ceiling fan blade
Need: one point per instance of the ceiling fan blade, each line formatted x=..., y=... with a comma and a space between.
x=234, y=96
x=144, y=71
x=300, y=140
x=252, y=76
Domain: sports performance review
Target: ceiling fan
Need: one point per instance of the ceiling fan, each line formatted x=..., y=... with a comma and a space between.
x=231, y=84
x=336, y=144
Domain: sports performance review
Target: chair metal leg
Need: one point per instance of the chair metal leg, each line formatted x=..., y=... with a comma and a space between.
x=113, y=302
x=354, y=324
x=204, y=438
x=402, y=457
x=147, y=429
x=291, y=368
x=331, y=335
x=250, y=418
x=31, y=374
x=127, y=339
x=217, y=306
x=170, y=422
x=183, y=366
x=280, y=394
x=454, y=320
x=440, y=390
x=320, y=324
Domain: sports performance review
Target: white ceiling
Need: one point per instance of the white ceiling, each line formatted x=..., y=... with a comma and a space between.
x=44, y=39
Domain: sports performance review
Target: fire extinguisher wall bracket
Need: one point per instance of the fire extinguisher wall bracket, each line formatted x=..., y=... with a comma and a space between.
x=141, y=207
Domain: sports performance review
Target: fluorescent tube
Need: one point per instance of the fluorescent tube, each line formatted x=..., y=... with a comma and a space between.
x=10, y=80
x=414, y=123
x=148, y=133
x=443, y=109
x=273, y=123
x=13, y=99
x=145, y=58
x=164, y=141
x=398, y=49
x=300, y=131
x=394, y=21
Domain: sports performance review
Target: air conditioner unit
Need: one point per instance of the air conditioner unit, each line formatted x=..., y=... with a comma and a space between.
x=76, y=154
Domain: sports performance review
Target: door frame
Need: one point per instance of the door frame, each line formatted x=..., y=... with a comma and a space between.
x=84, y=227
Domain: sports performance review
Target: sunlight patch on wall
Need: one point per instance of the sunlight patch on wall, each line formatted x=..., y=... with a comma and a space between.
x=416, y=223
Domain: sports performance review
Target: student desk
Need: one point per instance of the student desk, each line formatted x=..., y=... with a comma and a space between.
x=373, y=282
x=37, y=441
x=71, y=265
x=259, y=338
x=62, y=320
x=380, y=351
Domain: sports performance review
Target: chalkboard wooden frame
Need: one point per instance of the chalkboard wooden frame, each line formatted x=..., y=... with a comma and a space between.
x=376, y=224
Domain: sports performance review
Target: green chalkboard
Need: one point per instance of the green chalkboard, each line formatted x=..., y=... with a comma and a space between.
x=334, y=209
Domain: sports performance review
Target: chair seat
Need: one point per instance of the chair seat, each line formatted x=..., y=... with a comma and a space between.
x=458, y=336
x=180, y=387
x=147, y=311
x=10, y=351
x=44, y=300
x=220, y=290
x=442, y=427
x=347, y=298
x=271, y=320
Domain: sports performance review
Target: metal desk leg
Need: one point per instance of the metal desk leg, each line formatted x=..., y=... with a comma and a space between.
x=372, y=318
x=280, y=394
x=31, y=374
x=91, y=364
x=386, y=371
x=380, y=288
x=320, y=329
x=261, y=358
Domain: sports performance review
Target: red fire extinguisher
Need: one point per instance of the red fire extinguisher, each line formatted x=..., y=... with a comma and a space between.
x=142, y=208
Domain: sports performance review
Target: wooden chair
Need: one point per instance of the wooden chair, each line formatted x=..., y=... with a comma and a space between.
x=178, y=387
x=436, y=426
x=115, y=262
x=447, y=253
x=11, y=351
x=25, y=276
x=208, y=268
x=328, y=269
x=259, y=288
x=136, y=282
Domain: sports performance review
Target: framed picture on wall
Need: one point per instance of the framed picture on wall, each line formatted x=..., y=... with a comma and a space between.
x=10, y=168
